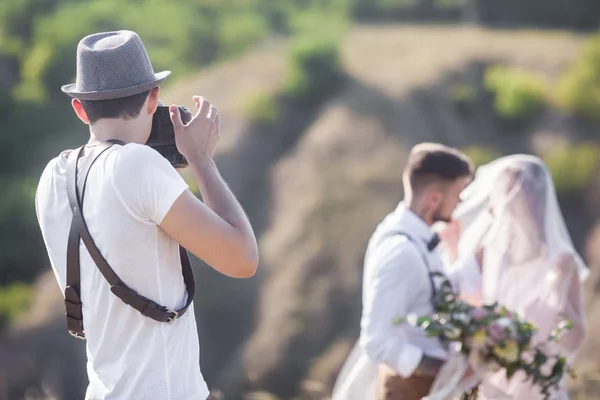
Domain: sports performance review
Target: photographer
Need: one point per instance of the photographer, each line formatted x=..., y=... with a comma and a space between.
x=141, y=342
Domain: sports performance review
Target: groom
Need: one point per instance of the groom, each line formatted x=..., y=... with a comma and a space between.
x=401, y=362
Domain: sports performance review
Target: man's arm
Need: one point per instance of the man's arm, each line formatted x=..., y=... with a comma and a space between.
x=216, y=231
x=395, y=275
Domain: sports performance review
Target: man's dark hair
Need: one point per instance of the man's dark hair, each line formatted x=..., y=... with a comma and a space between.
x=431, y=162
x=125, y=107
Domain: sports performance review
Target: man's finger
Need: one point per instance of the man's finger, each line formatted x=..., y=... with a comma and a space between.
x=204, y=107
x=186, y=115
x=212, y=113
x=218, y=121
x=197, y=101
x=175, y=116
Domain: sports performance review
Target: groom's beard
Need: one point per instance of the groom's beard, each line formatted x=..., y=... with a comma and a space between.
x=437, y=215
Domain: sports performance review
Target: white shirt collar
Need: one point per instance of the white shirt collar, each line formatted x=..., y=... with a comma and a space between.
x=406, y=219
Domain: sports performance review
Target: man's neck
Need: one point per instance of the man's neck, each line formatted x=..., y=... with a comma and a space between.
x=129, y=131
x=414, y=205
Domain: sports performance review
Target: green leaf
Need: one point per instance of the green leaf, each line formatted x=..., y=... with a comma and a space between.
x=540, y=358
x=510, y=370
x=565, y=325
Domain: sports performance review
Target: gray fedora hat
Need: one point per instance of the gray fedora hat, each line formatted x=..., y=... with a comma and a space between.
x=112, y=65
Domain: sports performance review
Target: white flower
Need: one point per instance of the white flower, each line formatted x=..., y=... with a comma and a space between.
x=462, y=317
x=546, y=369
x=453, y=332
x=411, y=319
x=507, y=324
x=504, y=322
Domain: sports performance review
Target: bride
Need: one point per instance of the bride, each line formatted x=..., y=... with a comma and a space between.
x=511, y=221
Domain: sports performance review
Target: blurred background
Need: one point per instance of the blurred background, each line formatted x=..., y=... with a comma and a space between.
x=321, y=101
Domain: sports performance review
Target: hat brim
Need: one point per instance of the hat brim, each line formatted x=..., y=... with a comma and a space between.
x=71, y=89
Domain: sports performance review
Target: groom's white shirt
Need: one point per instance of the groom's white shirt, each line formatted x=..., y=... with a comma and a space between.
x=396, y=284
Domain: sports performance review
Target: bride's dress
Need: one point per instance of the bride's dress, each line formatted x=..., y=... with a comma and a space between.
x=530, y=265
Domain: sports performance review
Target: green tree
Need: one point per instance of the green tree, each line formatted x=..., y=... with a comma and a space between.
x=579, y=88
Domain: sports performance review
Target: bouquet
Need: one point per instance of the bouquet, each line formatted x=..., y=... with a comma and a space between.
x=487, y=339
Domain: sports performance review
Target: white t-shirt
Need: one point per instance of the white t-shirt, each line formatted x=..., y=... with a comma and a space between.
x=129, y=191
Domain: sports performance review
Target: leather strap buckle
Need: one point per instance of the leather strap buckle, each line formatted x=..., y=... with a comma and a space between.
x=173, y=317
x=77, y=335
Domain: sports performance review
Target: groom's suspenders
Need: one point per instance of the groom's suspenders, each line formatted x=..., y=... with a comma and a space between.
x=430, y=274
x=79, y=231
x=425, y=260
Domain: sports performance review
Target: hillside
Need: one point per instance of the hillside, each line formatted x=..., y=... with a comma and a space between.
x=344, y=176
x=315, y=196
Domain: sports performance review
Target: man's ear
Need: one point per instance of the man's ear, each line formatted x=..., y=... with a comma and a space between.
x=78, y=107
x=435, y=197
x=433, y=194
x=153, y=100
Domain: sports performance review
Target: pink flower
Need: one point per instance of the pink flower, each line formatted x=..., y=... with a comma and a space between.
x=546, y=369
x=496, y=331
x=478, y=314
x=528, y=357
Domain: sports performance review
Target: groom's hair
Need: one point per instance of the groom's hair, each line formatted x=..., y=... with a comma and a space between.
x=430, y=163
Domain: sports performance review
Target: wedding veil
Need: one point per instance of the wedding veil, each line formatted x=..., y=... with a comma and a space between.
x=511, y=210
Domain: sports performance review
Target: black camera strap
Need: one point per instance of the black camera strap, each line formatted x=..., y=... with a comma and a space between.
x=79, y=231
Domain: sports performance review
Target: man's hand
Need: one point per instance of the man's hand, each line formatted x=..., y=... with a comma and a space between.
x=197, y=140
x=451, y=236
x=216, y=229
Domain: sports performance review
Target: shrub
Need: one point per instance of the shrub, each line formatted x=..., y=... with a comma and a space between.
x=572, y=167
x=19, y=232
x=579, y=87
x=380, y=7
x=314, y=69
x=261, y=108
x=463, y=96
x=518, y=94
x=462, y=93
x=481, y=155
x=238, y=32
x=14, y=300
x=450, y=3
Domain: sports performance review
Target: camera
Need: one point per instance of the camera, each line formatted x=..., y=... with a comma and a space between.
x=162, y=135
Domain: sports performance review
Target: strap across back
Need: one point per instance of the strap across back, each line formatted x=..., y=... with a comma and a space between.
x=431, y=245
x=79, y=231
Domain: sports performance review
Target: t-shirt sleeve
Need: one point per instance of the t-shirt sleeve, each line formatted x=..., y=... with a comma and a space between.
x=146, y=182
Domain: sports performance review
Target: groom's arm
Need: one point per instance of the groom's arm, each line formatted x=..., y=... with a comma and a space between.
x=394, y=276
